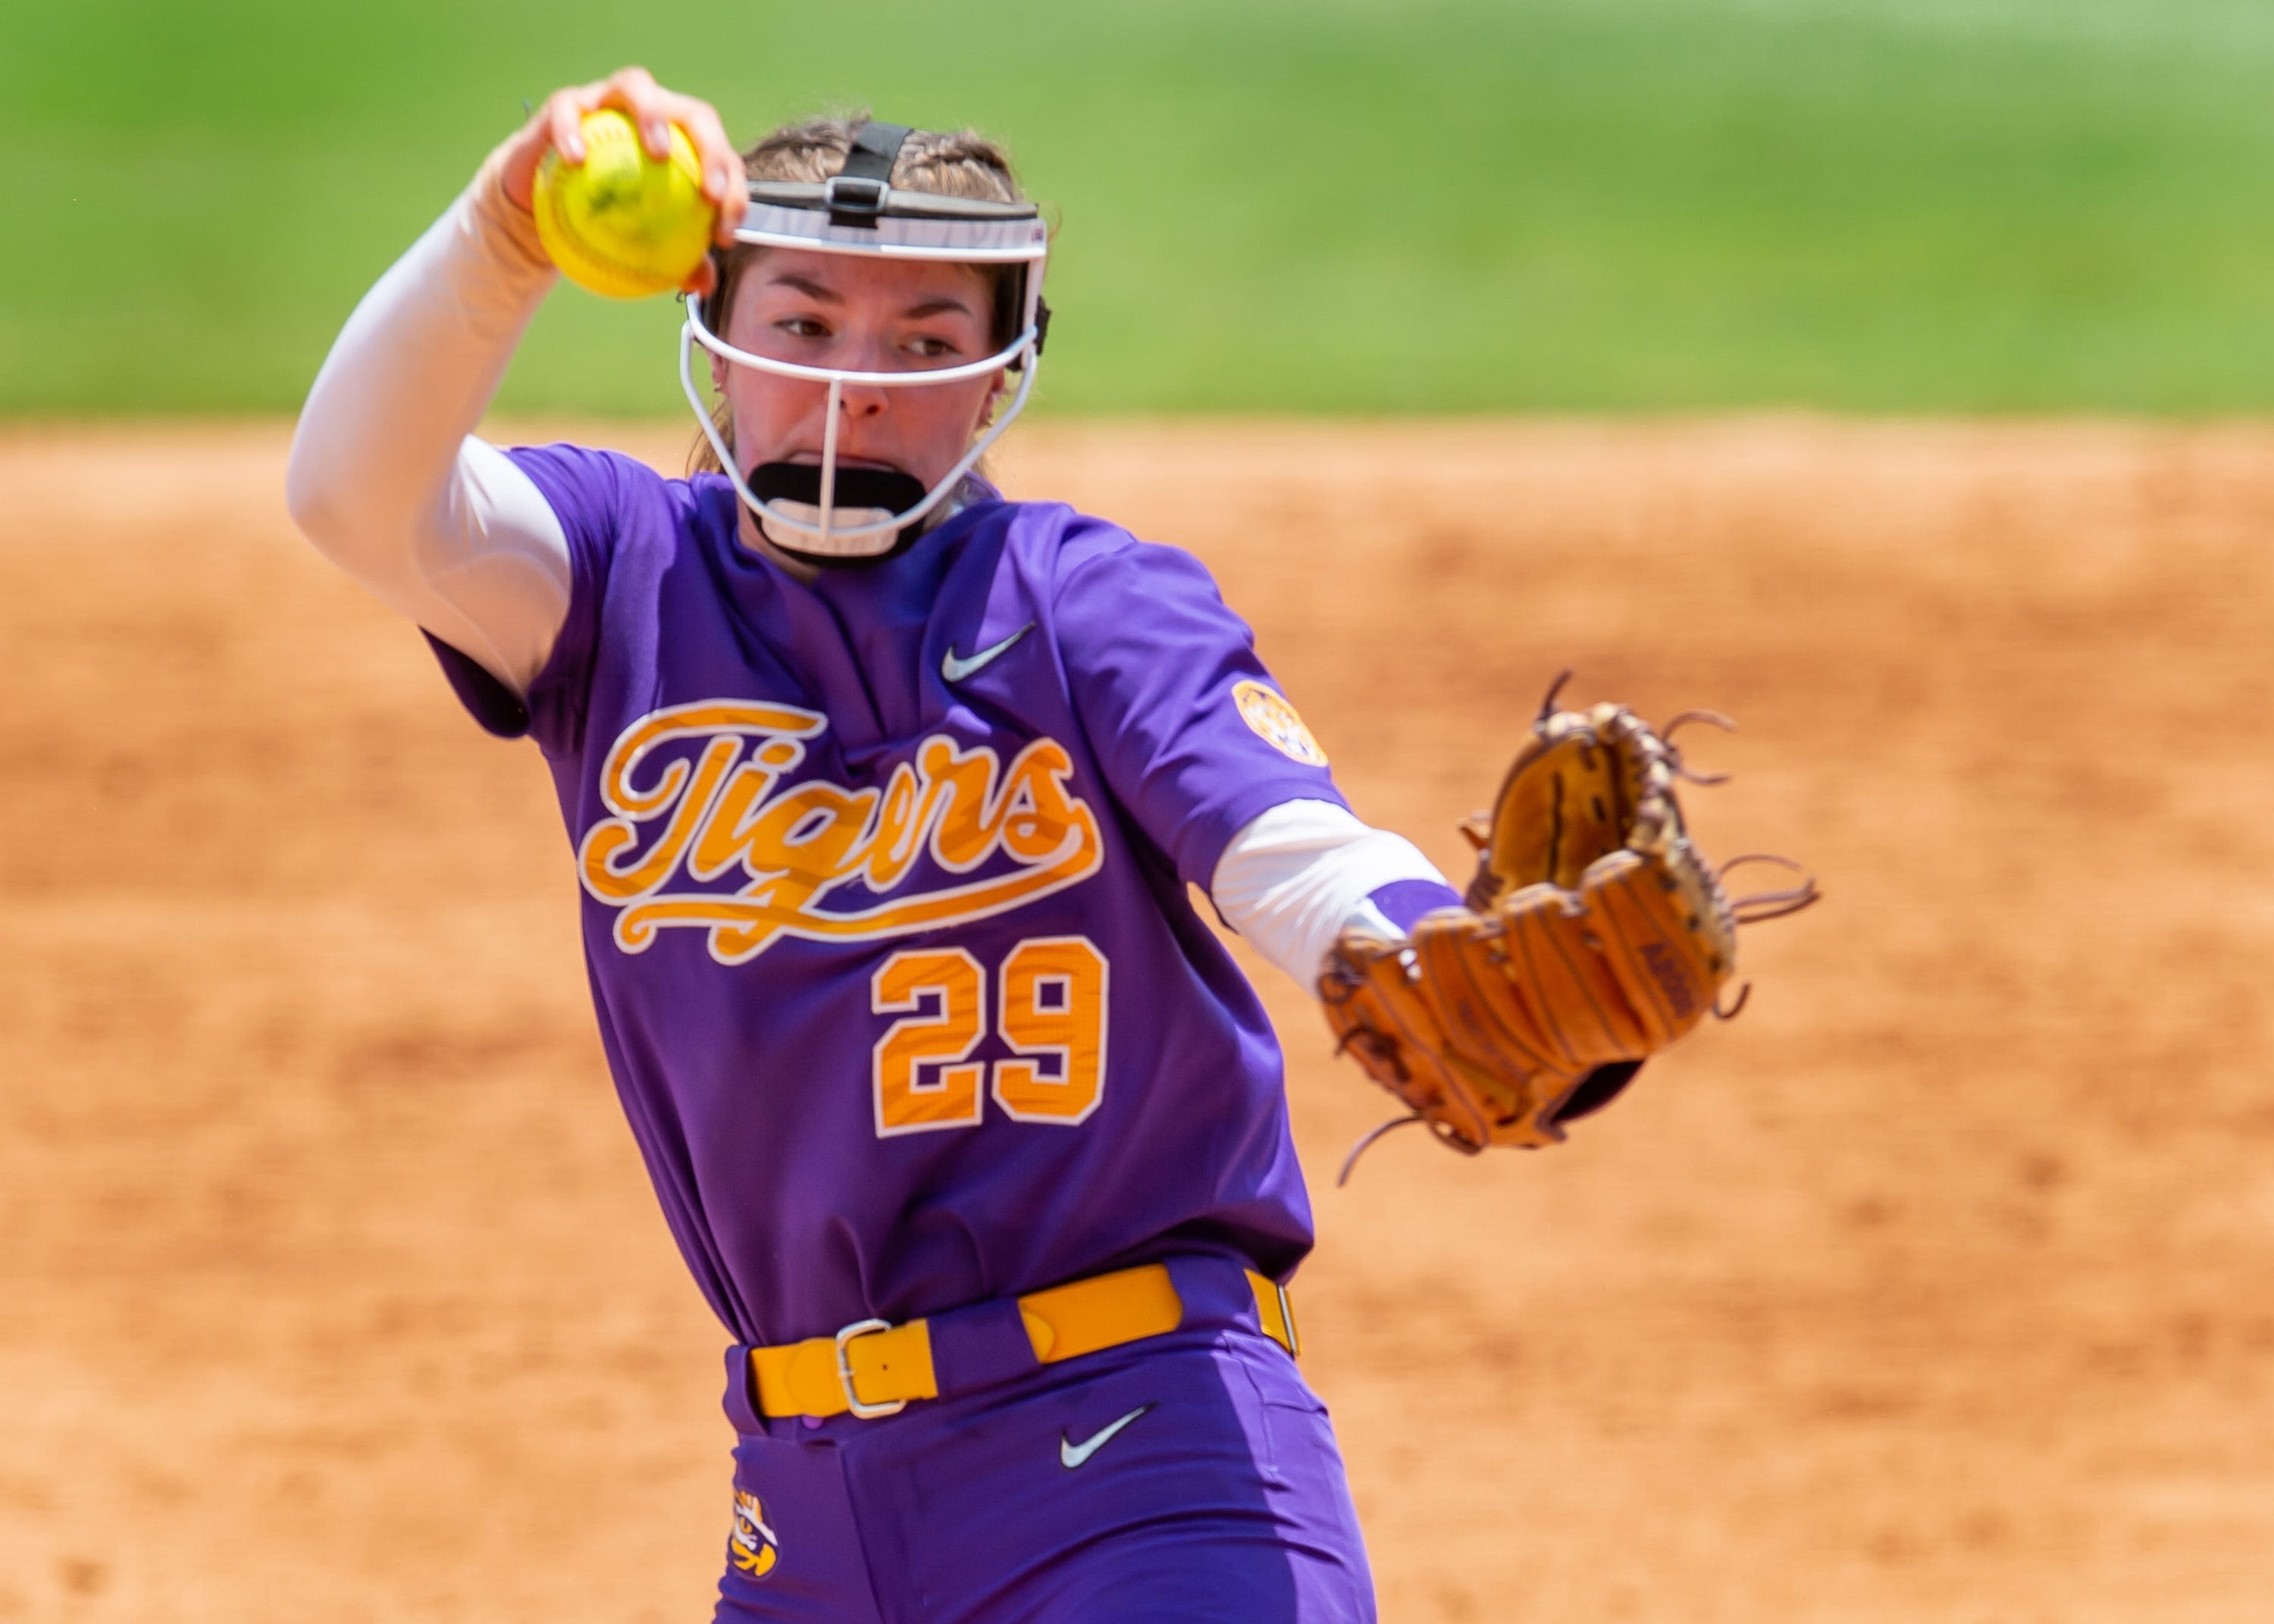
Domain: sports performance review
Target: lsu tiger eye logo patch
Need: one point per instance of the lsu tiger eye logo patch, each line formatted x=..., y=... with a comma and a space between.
x=753, y=1546
x=1276, y=723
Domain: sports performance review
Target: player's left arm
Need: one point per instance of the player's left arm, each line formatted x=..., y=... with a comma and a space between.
x=1214, y=762
x=1297, y=876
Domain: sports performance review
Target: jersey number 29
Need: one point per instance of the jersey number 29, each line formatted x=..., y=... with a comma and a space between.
x=1050, y=1007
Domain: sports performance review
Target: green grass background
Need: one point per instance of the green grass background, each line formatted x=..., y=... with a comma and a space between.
x=1310, y=206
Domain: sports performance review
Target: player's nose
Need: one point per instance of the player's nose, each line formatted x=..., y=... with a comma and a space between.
x=858, y=401
x=865, y=400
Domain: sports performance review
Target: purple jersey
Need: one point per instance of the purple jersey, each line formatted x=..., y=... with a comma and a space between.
x=884, y=897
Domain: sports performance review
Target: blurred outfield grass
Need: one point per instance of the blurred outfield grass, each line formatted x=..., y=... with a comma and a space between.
x=1350, y=206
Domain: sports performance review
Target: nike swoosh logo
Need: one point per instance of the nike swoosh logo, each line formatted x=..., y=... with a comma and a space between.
x=956, y=670
x=1073, y=1454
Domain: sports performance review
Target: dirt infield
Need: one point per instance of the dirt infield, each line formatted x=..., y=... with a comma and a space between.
x=331, y=1288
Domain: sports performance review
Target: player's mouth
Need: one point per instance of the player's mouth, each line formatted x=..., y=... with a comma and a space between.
x=862, y=492
x=812, y=459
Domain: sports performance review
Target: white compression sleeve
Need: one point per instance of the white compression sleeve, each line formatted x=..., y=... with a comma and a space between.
x=385, y=477
x=1291, y=880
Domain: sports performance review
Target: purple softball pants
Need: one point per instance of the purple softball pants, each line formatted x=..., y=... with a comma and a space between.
x=1192, y=1476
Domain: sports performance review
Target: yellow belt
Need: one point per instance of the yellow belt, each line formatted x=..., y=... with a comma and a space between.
x=873, y=1367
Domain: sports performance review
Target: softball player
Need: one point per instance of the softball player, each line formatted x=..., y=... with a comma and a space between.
x=884, y=792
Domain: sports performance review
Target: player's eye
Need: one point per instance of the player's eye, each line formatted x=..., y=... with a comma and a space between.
x=930, y=347
x=802, y=326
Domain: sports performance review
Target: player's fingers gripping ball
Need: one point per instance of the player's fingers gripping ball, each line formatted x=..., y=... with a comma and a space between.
x=622, y=223
x=1594, y=935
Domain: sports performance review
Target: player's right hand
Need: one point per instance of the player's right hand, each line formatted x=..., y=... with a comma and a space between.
x=557, y=127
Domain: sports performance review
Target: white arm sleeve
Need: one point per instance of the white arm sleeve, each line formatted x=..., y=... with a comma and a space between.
x=1292, y=880
x=385, y=477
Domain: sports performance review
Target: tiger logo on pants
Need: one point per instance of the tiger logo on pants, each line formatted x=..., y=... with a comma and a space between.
x=753, y=1546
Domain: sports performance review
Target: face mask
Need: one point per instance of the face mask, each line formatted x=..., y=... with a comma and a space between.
x=837, y=515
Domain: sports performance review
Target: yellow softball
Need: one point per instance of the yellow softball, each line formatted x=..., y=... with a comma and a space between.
x=620, y=222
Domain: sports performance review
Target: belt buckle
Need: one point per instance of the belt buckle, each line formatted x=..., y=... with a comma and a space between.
x=859, y=1329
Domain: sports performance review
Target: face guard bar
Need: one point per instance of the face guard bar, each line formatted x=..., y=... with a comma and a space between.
x=859, y=212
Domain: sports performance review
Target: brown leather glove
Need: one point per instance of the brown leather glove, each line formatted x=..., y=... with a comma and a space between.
x=1594, y=935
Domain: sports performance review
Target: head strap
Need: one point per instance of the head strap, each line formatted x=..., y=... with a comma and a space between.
x=857, y=193
x=876, y=149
